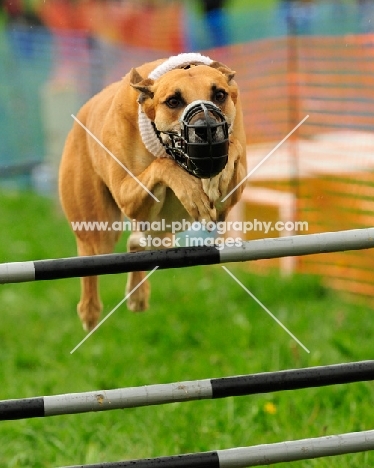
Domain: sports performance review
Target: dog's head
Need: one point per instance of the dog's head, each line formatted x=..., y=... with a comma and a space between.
x=192, y=109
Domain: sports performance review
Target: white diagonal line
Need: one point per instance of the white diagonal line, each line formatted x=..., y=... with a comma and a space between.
x=265, y=309
x=112, y=311
x=265, y=159
x=114, y=157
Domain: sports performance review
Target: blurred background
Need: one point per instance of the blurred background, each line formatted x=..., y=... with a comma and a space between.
x=292, y=58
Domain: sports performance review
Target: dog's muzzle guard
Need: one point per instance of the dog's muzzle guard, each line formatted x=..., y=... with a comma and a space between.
x=202, y=146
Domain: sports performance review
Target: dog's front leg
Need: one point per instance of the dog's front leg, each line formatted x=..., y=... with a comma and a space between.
x=133, y=198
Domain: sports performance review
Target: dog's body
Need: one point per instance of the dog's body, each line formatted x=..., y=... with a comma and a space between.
x=96, y=187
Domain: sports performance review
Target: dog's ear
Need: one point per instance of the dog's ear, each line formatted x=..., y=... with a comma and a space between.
x=142, y=85
x=224, y=70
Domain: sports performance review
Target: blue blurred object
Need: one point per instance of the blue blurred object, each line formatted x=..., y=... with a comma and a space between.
x=216, y=22
x=318, y=17
x=25, y=57
x=297, y=15
x=366, y=15
x=23, y=40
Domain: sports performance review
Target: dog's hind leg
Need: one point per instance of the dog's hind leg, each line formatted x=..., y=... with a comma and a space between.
x=138, y=300
x=88, y=204
x=139, y=241
x=90, y=306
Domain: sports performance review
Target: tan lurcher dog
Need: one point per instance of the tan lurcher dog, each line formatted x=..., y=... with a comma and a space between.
x=132, y=118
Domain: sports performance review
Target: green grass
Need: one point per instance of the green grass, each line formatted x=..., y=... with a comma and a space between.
x=201, y=324
x=253, y=4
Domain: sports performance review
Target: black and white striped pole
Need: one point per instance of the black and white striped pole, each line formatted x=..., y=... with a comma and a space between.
x=258, y=455
x=266, y=382
x=181, y=257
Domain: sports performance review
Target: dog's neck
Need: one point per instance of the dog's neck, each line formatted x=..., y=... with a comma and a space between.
x=147, y=129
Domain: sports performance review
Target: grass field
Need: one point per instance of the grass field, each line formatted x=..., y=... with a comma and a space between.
x=200, y=325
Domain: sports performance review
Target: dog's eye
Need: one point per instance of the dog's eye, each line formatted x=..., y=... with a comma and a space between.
x=220, y=95
x=173, y=102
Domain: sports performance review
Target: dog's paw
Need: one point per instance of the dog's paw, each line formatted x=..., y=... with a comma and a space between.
x=211, y=188
x=137, y=304
x=138, y=299
x=89, y=313
x=196, y=202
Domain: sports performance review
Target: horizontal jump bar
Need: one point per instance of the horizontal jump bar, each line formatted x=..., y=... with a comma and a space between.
x=266, y=382
x=17, y=272
x=258, y=455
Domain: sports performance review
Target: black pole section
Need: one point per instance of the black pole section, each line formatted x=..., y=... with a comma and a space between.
x=125, y=262
x=193, y=460
x=22, y=409
x=293, y=379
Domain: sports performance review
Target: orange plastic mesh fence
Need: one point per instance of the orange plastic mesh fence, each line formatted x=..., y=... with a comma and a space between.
x=327, y=165
x=134, y=24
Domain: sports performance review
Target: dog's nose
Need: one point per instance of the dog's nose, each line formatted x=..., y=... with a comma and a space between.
x=201, y=128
